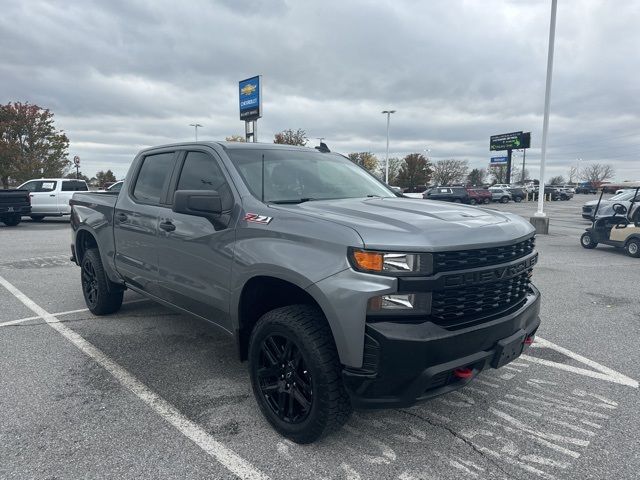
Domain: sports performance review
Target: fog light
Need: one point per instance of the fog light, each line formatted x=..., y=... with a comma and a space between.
x=400, y=303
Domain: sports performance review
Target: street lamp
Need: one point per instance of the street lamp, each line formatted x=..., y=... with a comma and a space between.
x=195, y=125
x=386, y=158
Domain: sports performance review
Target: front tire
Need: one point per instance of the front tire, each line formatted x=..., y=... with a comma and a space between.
x=101, y=295
x=12, y=221
x=587, y=241
x=504, y=199
x=633, y=248
x=296, y=373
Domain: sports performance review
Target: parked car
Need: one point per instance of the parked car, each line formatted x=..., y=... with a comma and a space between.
x=13, y=205
x=517, y=194
x=501, y=195
x=586, y=188
x=606, y=206
x=447, y=194
x=549, y=191
x=501, y=185
x=50, y=196
x=338, y=293
x=479, y=195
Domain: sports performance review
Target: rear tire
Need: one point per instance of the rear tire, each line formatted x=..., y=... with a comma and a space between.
x=37, y=218
x=586, y=240
x=504, y=199
x=472, y=201
x=100, y=294
x=12, y=221
x=305, y=399
x=633, y=248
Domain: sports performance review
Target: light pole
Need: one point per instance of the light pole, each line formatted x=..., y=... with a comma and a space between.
x=195, y=125
x=386, y=158
x=547, y=102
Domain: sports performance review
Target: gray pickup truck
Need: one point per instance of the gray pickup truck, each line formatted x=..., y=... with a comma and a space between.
x=339, y=293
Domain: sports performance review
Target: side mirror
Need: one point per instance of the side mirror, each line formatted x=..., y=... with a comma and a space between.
x=199, y=203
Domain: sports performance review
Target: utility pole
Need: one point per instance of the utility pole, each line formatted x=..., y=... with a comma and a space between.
x=386, y=158
x=195, y=125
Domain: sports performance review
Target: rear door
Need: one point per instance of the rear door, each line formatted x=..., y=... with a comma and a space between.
x=195, y=255
x=136, y=217
x=68, y=188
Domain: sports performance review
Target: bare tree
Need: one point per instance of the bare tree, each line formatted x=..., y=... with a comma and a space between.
x=597, y=173
x=499, y=174
x=517, y=175
x=450, y=171
x=394, y=168
x=573, y=174
x=291, y=137
x=557, y=180
x=366, y=160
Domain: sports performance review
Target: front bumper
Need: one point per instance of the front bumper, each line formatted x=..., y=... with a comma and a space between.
x=406, y=363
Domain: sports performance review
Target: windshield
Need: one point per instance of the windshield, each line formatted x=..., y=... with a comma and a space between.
x=294, y=176
x=626, y=195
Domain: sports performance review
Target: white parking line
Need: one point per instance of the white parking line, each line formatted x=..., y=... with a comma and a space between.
x=60, y=314
x=229, y=459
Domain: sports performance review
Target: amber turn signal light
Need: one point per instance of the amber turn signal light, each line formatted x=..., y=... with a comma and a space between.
x=371, y=261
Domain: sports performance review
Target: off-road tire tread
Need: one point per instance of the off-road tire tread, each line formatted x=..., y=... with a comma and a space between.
x=311, y=327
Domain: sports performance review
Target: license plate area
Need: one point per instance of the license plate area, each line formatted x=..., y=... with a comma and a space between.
x=508, y=349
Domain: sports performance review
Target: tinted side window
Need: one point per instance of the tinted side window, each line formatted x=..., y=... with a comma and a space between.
x=202, y=172
x=153, y=176
x=74, y=186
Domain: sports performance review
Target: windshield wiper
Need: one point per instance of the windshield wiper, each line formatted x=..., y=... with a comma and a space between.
x=291, y=202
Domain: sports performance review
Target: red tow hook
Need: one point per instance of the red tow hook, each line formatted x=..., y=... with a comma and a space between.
x=529, y=340
x=463, y=372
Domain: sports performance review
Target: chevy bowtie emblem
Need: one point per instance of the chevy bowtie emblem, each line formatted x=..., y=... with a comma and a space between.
x=248, y=89
x=255, y=218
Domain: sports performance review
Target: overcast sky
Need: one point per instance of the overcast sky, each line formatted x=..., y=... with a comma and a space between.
x=121, y=75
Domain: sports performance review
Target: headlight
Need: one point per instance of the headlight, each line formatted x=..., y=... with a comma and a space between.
x=391, y=263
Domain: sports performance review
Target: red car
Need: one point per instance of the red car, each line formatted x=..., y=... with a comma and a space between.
x=479, y=195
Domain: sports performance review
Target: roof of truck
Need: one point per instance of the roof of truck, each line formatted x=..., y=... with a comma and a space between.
x=235, y=145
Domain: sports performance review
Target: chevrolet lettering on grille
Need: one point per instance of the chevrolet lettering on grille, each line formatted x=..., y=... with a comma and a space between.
x=492, y=275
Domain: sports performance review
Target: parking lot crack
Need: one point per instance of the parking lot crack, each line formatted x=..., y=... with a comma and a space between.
x=464, y=440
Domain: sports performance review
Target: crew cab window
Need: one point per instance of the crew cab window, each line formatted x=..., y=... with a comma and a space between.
x=39, y=186
x=74, y=186
x=202, y=172
x=153, y=176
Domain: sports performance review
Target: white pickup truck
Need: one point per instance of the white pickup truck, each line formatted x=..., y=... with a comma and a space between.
x=50, y=196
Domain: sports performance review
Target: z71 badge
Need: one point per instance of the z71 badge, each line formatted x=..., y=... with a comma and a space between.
x=255, y=218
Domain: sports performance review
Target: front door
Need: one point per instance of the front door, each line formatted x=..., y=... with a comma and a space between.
x=136, y=218
x=195, y=255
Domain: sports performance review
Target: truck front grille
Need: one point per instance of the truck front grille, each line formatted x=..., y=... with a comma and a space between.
x=458, y=307
x=460, y=260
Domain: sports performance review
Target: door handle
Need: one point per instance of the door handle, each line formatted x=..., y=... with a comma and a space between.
x=121, y=217
x=167, y=226
x=52, y=195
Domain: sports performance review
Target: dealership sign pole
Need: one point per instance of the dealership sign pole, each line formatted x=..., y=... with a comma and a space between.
x=250, y=96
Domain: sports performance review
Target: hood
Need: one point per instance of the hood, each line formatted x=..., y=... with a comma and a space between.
x=407, y=224
x=593, y=203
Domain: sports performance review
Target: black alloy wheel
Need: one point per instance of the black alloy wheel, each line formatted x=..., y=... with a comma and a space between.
x=89, y=284
x=285, y=381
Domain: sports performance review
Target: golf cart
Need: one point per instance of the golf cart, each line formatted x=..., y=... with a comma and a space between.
x=621, y=230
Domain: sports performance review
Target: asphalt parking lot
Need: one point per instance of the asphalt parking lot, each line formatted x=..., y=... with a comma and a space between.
x=148, y=393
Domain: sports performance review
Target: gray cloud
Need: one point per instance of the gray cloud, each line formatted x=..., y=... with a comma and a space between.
x=123, y=75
